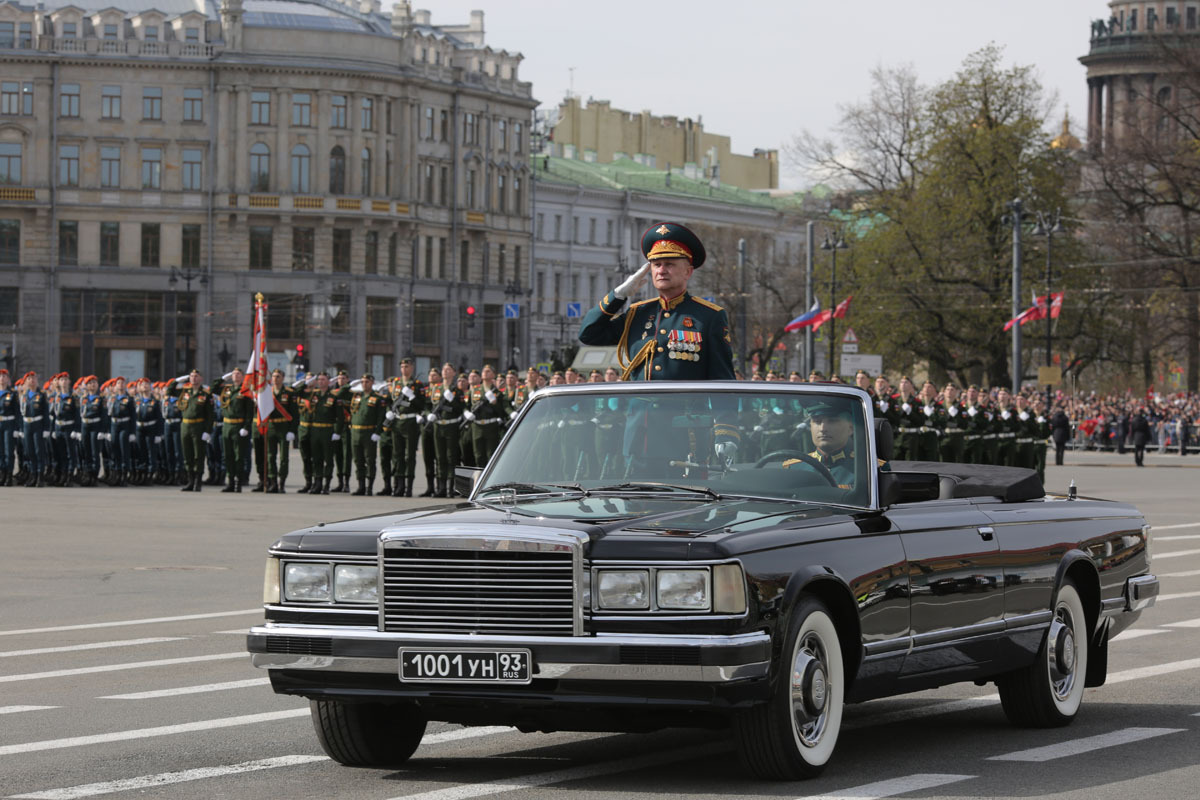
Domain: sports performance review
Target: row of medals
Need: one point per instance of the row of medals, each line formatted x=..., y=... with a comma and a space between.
x=684, y=350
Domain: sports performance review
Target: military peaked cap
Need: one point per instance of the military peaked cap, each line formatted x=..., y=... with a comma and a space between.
x=672, y=240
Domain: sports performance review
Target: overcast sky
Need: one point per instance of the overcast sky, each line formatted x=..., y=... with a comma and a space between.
x=760, y=71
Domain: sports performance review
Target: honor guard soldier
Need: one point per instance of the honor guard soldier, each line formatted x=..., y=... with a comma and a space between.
x=93, y=423
x=466, y=444
x=932, y=425
x=237, y=417
x=409, y=402
x=487, y=412
x=321, y=404
x=1005, y=427
x=343, y=459
x=447, y=413
x=366, y=421
x=433, y=393
x=196, y=406
x=886, y=405
x=35, y=410
x=149, y=433
x=10, y=409
x=953, y=443
x=910, y=418
x=1027, y=435
x=67, y=427
x=674, y=336
x=281, y=424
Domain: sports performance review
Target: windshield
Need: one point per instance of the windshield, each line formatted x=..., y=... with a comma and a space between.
x=809, y=446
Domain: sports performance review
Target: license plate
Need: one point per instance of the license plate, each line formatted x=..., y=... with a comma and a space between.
x=465, y=666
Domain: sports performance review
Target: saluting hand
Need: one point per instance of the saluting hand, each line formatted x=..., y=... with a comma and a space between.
x=634, y=283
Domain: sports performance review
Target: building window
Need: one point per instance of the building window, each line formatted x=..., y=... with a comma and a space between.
x=110, y=102
x=260, y=167
x=68, y=243
x=387, y=107
x=189, y=247
x=428, y=123
x=68, y=30
x=191, y=35
x=371, y=253
x=368, y=114
x=300, y=168
x=337, y=170
x=302, y=110
x=502, y=266
x=576, y=230
x=592, y=230
x=10, y=241
x=469, y=187
x=558, y=227
x=1132, y=20
x=387, y=174
x=470, y=129
x=608, y=232
x=517, y=263
x=193, y=169
x=193, y=105
x=429, y=184
x=150, y=33
x=9, y=305
x=337, y=110
x=464, y=261
x=541, y=227
x=1190, y=18
x=110, y=167
x=261, y=237
x=341, y=320
x=151, y=168
x=366, y=171
x=444, y=125
x=427, y=322
x=428, y=256
x=381, y=313
x=151, y=103
x=502, y=135
x=442, y=258
x=10, y=163
x=68, y=165
x=260, y=108
x=518, y=129
x=341, y=249
x=110, y=31
x=1172, y=18
x=303, y=249
x=68, y=100
x=444, y=185
x=518, y=198
x=110, y=244
x=6, y=35
x=10, y=97
x=391, y=256
x=501, y=195
x=151, y=244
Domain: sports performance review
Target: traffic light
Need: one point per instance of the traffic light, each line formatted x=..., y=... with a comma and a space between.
x=300, y=360
x=470, y=316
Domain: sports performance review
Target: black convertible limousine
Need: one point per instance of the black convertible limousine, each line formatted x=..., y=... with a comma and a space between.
x=742, y=555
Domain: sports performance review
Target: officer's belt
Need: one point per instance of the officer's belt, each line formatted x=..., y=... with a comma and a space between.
x=606, y=426
x=913, y=430
x=1006, y=435
x=774, y=431
x=988, y=436
x=362, y=427
x=447, y=421
x=318, y=424
x=954, y=430
x=38, y=418
x=142, y=424
x=9, y=418
x=1026, y=441
x=193, y=421
x=491, y=421
x=237, y=421
x=171, y=421
x=64, y=423
x=85, y=420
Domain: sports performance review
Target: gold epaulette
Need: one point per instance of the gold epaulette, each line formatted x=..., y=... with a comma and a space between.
x=707, y=304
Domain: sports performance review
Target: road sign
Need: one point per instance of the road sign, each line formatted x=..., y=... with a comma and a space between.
x=851, y=364
x=850, y=348
x=574, y=310
x=711, y=299
x=849, y=338
x=512, y=310
x=1049, y=376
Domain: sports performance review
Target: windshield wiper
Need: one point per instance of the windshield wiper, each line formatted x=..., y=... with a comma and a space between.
x=657, y=487
x=536, y=488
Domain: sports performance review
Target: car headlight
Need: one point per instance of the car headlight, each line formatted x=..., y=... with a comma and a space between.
x=355, y=584
x=729, y=589
x=624, y=589
x=683, y=589
x=271, y=582
x=306, y=582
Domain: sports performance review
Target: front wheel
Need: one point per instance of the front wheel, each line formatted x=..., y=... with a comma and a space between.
x=367, y=734
x=793, y=734
x=1047, y=693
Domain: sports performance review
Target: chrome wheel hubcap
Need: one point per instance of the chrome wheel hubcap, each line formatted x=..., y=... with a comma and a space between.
x=1061, y=653
x=810, y=690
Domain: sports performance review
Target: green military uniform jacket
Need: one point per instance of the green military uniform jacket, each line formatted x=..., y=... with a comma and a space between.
x=195, y=403
x=404, y=407
x=483, y=408
x=683, y=339
x=366, y=412
x=840, y=465
x=320, y=408
x=236, y=408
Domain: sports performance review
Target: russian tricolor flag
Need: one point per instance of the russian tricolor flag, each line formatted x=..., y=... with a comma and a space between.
x=806, y=319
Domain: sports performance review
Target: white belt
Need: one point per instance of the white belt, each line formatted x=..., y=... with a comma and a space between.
x=447, y=421
x=492, y=421
x=38, y=418
x=408, y=416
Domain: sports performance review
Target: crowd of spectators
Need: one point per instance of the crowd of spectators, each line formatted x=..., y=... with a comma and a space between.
x=1105, y=421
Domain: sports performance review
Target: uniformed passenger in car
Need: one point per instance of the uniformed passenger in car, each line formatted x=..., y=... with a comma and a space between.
x=831, y=426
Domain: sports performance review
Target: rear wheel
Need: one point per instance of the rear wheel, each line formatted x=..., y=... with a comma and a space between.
x=1047, y=693
x=793, y=734
x=367, y=734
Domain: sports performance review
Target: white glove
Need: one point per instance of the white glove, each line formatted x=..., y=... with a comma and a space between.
x=18, y=434
x=726, y=452
x=972, y=411
x=158, y=440
x=633, y=283
x=491, y=398
x=778, y=411
x=1040, y=420
x=182, y=378
x=374, y=437
x=468, y=416
x=928, y=411
x=408, y=392
x=204, y=437
x=561, y=422
x=46, y=435
x=595, y=420
x=243, y=433
x=952, y=411
x=132, y=437
x=389, y=416
x=905, y=407
x=227, y=376
x=77, y=436
x=291, y=437
x=449, y=395
x=512, y=415
x=336, y=438
x=758, y=428
x=54, y=435
x=297, y=384
x=882, y=405
x=1024, y=415
x=431, y=418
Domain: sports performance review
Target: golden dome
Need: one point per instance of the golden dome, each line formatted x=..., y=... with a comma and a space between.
x=1066, y=140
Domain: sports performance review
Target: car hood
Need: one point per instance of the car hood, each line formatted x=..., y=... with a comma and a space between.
x=662, y=525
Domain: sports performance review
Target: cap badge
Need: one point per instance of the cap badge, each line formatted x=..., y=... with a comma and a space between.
x=662, y=229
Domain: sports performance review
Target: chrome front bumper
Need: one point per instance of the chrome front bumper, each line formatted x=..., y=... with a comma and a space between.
x=603, y=657
x=1140, y=592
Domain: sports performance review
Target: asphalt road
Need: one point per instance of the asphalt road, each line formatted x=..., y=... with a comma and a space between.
x=123, y=673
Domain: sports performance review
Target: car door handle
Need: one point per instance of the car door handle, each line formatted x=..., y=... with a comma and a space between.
x=987, y=533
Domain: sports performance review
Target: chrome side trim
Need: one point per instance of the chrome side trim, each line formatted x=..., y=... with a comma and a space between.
x=341, y=558
x=485, y=640
x=956, y=634
x=897, y=646
x=327, y=608
x=1141, y=592
x=1033, y=619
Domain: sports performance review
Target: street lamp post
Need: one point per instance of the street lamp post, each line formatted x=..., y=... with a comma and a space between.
x=513, y=292
x=1048, y=226
x=833, y=244
x=187, y=275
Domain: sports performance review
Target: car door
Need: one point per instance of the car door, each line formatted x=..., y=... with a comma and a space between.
x=956, y=585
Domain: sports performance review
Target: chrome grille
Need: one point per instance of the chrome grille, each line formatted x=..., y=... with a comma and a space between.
x=496, y=591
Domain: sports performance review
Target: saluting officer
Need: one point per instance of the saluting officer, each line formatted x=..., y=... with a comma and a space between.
x=446, y=414
x=237, y=417
x=196, y=406
x=408, y=406
x=910, y=418
x=953, y=443
x=366, y=421
x=433, y=393
x=674, y=336
x=488, y=411
x=342, y=457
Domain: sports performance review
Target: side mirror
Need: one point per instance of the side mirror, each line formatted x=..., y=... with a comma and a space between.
x=908, y=487
x=465, y=479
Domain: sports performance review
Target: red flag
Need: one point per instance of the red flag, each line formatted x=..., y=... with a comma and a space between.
x=258, y=381
x=1022, y=318
x=842, y=308
x=821, y=318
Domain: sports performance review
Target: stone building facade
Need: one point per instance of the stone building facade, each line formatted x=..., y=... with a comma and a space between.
x=367, y=172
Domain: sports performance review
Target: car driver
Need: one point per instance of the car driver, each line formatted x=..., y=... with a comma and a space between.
x=832, y=429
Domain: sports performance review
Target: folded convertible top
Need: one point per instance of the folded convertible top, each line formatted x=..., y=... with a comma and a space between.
x=1010, y=484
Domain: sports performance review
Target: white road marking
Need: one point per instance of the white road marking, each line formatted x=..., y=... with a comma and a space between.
x=123, y=622
x=1191, y=573
x=1174, y=527
x=241, y=631
x=1152, y=671
x=597, y=770
x=1181, y=596
x=147, y=733
x=1136, y=633
x=166, y=778
x=207, y=687
x=1158, y=539
x=92, y=646
x=933, y=709
x=1087, y=744
x=162, y=662
x=1187, y=623
x=19, y=709
x=464, y=733
x=893, y=787
x=1176, y=554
